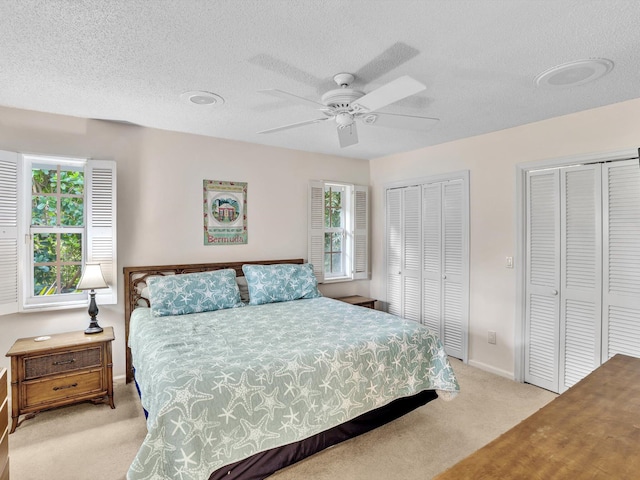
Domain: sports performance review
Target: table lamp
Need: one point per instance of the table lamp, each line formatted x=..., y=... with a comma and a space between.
x=92, y=279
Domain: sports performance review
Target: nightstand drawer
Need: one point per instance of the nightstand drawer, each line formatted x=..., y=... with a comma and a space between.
x=41, y=392
x=40, y=366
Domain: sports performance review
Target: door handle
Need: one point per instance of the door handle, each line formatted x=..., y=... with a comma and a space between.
x=554, y=292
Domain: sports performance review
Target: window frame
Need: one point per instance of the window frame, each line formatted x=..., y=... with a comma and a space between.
x=30, y=301
x=343, y=230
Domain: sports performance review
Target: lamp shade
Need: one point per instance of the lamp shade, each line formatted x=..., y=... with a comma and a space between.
x=92, y=278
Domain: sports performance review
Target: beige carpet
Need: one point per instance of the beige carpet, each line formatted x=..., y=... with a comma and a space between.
x=84, y=442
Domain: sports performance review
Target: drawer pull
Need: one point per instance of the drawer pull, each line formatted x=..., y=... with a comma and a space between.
x=65, y=386
x=65, y=362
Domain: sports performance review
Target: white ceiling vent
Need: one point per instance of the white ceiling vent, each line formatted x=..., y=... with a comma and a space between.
x=575, y=73
x=202, y=98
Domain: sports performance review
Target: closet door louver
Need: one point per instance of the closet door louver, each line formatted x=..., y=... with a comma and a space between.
x=411, y=254
x=581, y=273
x=394, y=251
x=431, y=259
x=542, y=279
x=8, y=232
x=621, y=239
x=101, y=224
x=452, y=267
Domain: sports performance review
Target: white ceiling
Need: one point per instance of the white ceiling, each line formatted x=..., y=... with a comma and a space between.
x=130, y=60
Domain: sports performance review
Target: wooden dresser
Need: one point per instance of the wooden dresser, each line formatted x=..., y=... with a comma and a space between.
x=4, y=426
x=63, y=369
x=591, y=431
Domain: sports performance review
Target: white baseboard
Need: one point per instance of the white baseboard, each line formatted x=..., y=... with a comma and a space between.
x=490, y=369
x=120, y=378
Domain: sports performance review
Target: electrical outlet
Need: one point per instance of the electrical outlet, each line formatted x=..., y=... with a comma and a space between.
x=491, y=337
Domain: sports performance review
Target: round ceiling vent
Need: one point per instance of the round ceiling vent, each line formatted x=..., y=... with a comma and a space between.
x=575, y=73
x=202, y=98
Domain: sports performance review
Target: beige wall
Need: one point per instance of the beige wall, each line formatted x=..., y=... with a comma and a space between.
x=491, y=161
x=160, y=176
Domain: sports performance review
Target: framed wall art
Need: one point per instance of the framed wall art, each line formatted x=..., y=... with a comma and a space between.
x=225, y=212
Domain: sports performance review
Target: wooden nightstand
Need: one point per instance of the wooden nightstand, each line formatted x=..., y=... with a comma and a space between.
x=64, y=369
x=358, y=300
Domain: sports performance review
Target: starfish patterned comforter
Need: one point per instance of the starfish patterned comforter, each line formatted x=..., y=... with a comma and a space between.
x=221, y=386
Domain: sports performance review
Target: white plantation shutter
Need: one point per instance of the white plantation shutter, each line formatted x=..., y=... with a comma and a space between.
x=316, y=228
x=621, y=241
x=100, y=182
x=581, y=273
x=394, y=251
x=542, y=279
x=361, y=232
x=8, y=232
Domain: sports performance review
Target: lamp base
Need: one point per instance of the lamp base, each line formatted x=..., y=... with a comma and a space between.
x=93, y=314
x=93, y=329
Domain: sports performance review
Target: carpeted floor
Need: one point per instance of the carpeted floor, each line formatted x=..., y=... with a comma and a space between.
x=89, y=441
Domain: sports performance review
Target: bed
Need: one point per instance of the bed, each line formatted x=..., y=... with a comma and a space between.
x=239, y=392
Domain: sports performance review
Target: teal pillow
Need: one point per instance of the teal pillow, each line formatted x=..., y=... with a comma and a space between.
x=193, y=292
x=280, y=283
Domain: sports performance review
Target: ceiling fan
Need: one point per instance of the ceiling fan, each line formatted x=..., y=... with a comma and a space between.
x=346, y=105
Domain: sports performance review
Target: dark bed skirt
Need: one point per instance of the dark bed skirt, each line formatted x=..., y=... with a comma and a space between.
x=263, y=464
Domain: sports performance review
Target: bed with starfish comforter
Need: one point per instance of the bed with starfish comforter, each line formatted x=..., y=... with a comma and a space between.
x=221, y=386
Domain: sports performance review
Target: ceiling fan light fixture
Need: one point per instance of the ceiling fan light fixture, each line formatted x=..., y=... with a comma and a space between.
x=572, y=74
x=344, y=119
x=202, y=98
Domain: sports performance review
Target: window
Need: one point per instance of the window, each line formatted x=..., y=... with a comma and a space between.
x=338, y=233
x=64, y=209
x=56, y=228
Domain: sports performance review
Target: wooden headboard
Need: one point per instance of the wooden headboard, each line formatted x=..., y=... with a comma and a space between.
x=135, y=280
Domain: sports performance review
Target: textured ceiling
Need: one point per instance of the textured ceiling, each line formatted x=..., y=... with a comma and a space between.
x=130, y=60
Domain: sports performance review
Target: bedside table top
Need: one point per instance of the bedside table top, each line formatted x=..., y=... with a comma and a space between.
x=60, y=340
x=355, y=299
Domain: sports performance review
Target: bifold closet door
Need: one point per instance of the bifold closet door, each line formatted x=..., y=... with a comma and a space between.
x=542, y=326
x=404, y=238
x=621, y=239
x=580, y=273
x=443, y=265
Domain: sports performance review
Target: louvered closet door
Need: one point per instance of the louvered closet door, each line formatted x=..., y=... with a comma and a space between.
x=621, y=239
x=411, y=253
x=580, y=273
x=443, y=290
x=452, y=267
x=542, y=279
x=394, y=251
x=404, y=239
x=432, y=255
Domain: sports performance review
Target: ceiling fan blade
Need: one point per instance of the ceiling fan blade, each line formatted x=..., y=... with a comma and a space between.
x=392, y=120
x=295, y=98
x=294, y=125
x=391, y=58
x=391, y=92
x=347, y=135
